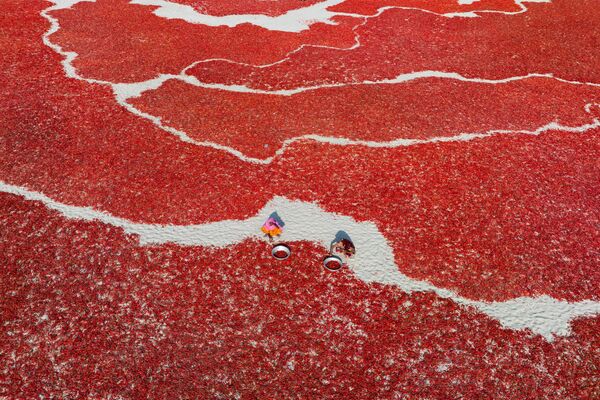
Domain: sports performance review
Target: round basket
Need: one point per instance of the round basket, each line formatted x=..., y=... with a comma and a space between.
x=333, y=263
x=281, y=251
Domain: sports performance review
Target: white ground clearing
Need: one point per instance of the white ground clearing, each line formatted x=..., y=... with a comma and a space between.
x=374, y=261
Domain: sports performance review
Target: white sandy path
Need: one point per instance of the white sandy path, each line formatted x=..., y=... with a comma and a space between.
x=374, y=261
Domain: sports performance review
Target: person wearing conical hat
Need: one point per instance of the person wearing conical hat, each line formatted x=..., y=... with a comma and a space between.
x=271, y=228
x=343, y=248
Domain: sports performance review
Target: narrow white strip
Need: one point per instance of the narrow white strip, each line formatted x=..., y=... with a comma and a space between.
x=125, y=91
x=374, y=261
x=340, y=141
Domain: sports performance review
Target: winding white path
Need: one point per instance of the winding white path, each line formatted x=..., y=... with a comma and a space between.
x=340, y=141
x=374, y=261
x=125, y=91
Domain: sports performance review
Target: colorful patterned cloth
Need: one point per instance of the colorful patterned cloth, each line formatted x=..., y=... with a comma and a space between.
x=271, y=227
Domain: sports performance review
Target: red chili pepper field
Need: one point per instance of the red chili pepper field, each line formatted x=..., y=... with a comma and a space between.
x=143, y=143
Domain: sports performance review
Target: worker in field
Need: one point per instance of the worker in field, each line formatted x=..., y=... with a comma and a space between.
x=273, y=228
x=341, y=250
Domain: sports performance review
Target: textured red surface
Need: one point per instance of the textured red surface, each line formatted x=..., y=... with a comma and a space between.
x=258, y=124
x=558, y=37
x=87, y=312
x=149, y=45
x=370, y=7
x=270, y=7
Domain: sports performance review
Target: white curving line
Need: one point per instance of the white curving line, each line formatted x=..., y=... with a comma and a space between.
x=125, y=91
x=373, y=262
x=340, y=141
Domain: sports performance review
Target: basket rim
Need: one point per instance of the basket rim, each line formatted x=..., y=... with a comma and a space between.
x=332, y=257
x=281, y=247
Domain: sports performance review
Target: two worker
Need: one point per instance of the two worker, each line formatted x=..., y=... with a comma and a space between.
x=341, y=250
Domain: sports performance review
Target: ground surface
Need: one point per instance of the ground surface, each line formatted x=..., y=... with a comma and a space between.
x=143, y=142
